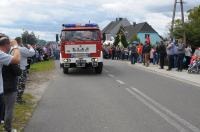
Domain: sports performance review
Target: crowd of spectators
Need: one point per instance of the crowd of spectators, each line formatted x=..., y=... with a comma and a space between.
x=175, y=54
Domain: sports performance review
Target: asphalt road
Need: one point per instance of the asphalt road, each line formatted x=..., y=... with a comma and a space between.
x=122, y=99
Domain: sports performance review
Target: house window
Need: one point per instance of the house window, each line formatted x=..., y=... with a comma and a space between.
x=108, y=37
x=147, y=35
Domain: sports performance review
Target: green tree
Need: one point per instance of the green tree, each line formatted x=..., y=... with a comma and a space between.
x=29, y=38
x=178, y=29
x=134, y=38
x=104, y=37
x=121, y=38
x=191, y=28
x=41, y=42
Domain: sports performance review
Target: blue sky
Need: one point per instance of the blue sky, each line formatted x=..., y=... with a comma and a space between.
x=45, y=17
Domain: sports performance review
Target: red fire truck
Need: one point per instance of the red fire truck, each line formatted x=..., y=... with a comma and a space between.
x=81, y=47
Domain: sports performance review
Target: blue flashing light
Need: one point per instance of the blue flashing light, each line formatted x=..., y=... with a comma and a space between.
x=78, y=25
x=69, y=25
x=91, y=25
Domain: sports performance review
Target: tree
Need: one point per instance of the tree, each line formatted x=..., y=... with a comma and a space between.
x=29, y=38
x=134, y=38
x=104, y=37
x=121, y=38
x=191, y=28
x=178, y=29
x=41, y=42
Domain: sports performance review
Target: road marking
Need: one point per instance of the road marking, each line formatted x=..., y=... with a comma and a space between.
x=163, y=108
x=106, y=70
x=163, y=115
x=121, y=82
x=110, y=75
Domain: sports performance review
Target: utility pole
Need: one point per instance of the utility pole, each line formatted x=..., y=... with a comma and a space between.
x=173, y=17
x=183, y=23
x=182, y=18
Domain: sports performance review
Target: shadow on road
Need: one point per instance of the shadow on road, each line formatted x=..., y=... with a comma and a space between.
x=83, y=72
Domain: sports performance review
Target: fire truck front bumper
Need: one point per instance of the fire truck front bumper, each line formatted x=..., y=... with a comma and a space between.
x=81, y=62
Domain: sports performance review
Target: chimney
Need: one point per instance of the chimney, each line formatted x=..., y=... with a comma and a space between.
x=134, y=23
x=120, y=19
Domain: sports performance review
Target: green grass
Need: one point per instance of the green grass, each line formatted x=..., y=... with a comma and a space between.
x=23, y=113
x=42, y=66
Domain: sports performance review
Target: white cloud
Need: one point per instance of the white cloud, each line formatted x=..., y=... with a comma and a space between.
x=48, y=15
x=46, y=35
x=17, y=32
x=159, y=22
x=12, y=33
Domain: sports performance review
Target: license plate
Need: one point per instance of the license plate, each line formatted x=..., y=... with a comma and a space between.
x=80, y=63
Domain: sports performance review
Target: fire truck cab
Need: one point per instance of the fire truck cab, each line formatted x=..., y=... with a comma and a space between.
x=81, y=47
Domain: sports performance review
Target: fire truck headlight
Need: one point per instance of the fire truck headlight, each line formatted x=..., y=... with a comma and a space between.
x=67, y=60
x=94, y=59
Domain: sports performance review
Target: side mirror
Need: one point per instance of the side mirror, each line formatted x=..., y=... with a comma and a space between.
x=57, y=37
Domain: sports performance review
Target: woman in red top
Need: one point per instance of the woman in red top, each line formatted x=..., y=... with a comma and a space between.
x=139, y=48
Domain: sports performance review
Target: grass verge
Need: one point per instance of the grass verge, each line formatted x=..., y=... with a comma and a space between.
x=23, y=112
x=42, y=66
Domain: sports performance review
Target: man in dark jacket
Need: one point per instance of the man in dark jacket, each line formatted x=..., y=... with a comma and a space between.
x=181, y=54
x=162, y=52
x=133, y=54
x=113, y=52
x=147, y=50
x=10, y=74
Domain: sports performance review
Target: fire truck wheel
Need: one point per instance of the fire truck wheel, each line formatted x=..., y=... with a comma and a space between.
x=61, y=65
x=65, y=70
x=99, y=69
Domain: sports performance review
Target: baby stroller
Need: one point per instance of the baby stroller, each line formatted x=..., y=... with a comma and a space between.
x=194, y=67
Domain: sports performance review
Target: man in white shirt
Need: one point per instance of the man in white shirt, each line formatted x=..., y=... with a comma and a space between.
x=6, y=59
x=25, y=53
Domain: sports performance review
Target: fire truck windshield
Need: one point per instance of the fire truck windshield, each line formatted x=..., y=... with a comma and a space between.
x=80, y=35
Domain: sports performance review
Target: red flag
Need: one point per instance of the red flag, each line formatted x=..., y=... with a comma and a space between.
x=148, y=41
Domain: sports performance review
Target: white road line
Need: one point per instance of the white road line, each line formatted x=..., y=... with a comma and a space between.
x=163, y=108
x=121, y=82
x=110, y=75
x=106, y=70
x=163, y=115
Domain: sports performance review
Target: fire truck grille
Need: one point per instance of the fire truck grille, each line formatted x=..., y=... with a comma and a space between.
x=80, y=55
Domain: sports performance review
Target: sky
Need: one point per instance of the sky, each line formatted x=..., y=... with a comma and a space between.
x=45, y=17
